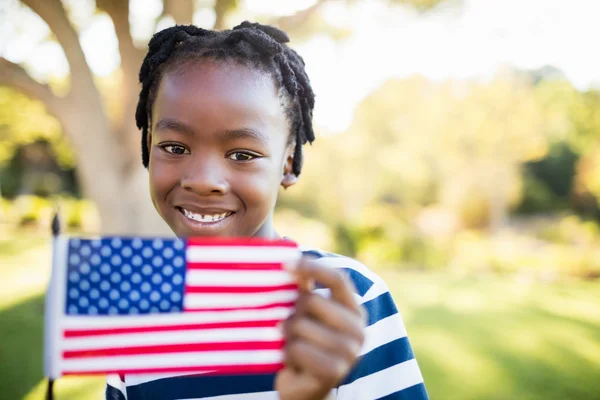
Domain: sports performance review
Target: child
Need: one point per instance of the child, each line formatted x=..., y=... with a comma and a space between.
x=224, y=116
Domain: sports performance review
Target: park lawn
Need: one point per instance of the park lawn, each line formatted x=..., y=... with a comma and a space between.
x=475, y=338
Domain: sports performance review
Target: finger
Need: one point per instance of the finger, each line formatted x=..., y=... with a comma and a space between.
x=331, y=314
x=342, y=289
x=327, y=368
x=308, y=330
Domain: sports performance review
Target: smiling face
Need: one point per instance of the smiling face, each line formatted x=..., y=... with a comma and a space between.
x=219, y=150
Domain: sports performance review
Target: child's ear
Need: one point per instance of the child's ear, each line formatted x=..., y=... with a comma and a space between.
x=289, y=178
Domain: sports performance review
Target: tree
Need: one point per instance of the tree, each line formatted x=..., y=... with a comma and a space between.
x=107, y=150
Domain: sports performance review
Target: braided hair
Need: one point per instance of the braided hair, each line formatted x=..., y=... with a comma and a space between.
x=259, y=46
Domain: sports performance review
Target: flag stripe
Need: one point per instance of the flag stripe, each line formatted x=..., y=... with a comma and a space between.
x=176, y=348
x=166, y=338
x=209, y=301
x=288, y=304
x=240, y=289
x=82, y=322
x=265, y=368
x=246, y=242
x=241, y=254
x=235, y=266
x=213, y=359
x=171, y=328
x=237, y=278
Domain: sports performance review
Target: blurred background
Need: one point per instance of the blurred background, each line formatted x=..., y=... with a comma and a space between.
x=458, y=155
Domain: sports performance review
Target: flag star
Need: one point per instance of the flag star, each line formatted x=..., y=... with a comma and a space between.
x=136, y=243
x=175, y=296
x=125, y=286
x=123, y=304
x=73, y=293
x=177, y=279
x=133, y=310
x=153, y=310
x=126, y=251
x=178, y=244
x=164, y=305
x=105, y=269
x=157, y=244
x=75, y=242
x=146, y=269
x=157, y=261
x=73, y=309
x=112, y=310
x=115, y=277
x=144, y=304
x=156, y=279
x=178, y=262
x=114, y=294
x=137, y=260
x=116, y=242
x=96, y=243
x=115, y=260
x=85, y=250
x=84, y=268
x=95, y=277
x=146, y=287
x=103, y=303
x=126, y=269
x=84, y=285
x=175, y=309
x=95, y=259
x=166, y=288
x=84, y=302
x=74, y=277
x=92, y=310
x=154, y=296
x=94, y=294
x=105, y=251
x=104, y=286
x=136, y=278
x=167, y=270
x=168, y=252
x=134, y=295
x=147, y=252
x=74, y=259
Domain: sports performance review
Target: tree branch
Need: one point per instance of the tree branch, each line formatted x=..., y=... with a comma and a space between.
x=293, y=22
x=182, y=11
x=53, y=13
x=12, y=75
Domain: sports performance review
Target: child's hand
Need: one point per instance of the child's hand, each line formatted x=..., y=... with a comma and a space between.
x=323, y=337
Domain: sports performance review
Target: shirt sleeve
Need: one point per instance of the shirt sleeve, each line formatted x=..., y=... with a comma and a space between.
x=387, y=368
x=115, y=388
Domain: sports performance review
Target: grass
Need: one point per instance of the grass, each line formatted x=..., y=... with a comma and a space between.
x=474, y=338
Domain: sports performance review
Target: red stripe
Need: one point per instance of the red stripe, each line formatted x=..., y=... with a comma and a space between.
x=214, y=370
x=168, y=328
x=239, y=289
x=252, y=242
x=261, y=307
x=236, y=266
x=175, y=348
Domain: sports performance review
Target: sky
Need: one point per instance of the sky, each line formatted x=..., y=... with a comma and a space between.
x=464, y=39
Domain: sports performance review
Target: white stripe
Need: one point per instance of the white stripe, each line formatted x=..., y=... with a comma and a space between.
x=165, y=338
x=383, y=383
x=383, y=332
x=187, y=359
x=212, y=300
x=196, y=277
x=377, y=289
x=245, y=254
x=108, y=322
x=247, y=396
x=54, y=308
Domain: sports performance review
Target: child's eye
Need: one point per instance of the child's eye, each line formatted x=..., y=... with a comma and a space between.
x=175, y=149
x=241, y=156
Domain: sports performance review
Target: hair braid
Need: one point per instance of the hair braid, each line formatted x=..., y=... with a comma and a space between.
x=261, y=46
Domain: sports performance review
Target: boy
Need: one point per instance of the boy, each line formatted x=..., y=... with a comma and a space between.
x=224, y=116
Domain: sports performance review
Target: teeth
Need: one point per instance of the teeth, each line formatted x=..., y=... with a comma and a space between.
x=204, y=217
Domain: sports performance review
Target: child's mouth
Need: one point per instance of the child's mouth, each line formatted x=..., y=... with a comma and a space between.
x=204, y=218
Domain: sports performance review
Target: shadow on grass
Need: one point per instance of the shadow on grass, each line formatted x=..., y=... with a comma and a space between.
x=21, y=348
x=525, y=353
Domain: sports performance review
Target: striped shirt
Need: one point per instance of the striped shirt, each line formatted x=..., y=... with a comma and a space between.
x=386, y=368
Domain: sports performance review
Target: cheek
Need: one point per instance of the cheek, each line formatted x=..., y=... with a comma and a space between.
x=260, y=188
x=161, y=180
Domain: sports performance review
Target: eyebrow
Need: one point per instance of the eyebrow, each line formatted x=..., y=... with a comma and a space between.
x=229, y=135
x=174, y=125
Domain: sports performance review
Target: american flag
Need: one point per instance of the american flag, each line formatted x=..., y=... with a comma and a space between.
x=150, y=305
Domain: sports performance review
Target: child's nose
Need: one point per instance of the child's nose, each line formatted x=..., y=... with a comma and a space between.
x=205, y=177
